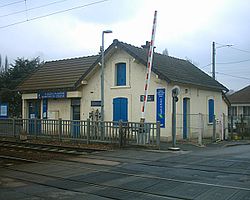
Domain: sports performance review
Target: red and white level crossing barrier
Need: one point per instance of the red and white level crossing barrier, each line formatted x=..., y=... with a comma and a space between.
x=149, y=67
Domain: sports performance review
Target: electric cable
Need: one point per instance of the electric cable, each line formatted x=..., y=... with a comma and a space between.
x=9, y=4
x=54, y=13
x=233, y=62
x=240, y=77
x=34, y=8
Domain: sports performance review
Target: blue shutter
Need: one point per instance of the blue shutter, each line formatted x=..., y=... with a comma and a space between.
x=116, y=109
x=124, y=109
x=210, y=110
x=121, y=74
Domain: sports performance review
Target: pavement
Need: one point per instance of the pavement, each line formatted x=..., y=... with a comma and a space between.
x=217, y=171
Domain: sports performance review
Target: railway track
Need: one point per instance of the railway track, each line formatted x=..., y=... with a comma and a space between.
x=100, y=187
x=106, y=181
x=47, y=148
x=6, y=161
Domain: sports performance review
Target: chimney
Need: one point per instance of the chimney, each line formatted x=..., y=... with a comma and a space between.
x=146, y=46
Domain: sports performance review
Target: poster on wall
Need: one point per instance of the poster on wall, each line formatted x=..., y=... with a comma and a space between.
x=4, y=110
x=160, y=106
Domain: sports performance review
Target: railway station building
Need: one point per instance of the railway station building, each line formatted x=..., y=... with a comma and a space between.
x=70, y=89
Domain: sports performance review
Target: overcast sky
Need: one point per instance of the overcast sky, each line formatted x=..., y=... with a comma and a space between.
x=185, y=27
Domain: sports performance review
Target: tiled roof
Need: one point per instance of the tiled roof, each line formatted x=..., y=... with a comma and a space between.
x=240, y=97
x=173, y=69
x=68, y=73
x=59, y=74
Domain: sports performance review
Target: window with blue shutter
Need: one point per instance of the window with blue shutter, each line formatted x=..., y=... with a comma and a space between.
x=210, y=110
x=120, y=74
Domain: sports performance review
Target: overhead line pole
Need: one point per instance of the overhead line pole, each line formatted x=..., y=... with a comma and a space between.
x=213, y=60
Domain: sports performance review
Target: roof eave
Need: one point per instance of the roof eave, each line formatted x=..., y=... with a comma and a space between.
x=201, y=85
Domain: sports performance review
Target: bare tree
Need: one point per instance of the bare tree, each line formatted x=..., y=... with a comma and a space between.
x=165, y=52
x=1, y=64
x=6, y=64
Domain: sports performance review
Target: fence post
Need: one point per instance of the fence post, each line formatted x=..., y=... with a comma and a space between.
x=14, y=127
x=120, y=133
x=231, y=127
x=214, y=128
x=35, y=127
x=158, y=133
x=88, y=130
x=60, y=129
x=223, y=127
x=201, y=129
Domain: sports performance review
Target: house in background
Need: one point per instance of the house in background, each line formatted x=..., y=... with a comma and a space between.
x=240, y=102
x=70, y=89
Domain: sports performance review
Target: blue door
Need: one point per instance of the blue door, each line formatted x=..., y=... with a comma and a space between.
x=34, y=113
x=186, y=117
x=75, y=103
x=210, y=110
x=120, y=109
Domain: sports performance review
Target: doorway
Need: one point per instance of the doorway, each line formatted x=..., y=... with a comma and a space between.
x=120, y=109
x=186, y=117
x=34, y=113
x=76, y=116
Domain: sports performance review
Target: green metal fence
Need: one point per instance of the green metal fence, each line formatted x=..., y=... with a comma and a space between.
x=198, y=129
x=239, y=127
x=122, y=133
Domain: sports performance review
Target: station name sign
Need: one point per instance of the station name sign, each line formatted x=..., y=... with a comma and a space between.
x=96, y=103
x=51, y=95
x=149, y=99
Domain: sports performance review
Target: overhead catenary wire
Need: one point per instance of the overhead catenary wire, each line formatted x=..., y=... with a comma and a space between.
x=225, y=63
x=9, y=4
x=53, y=13
x=32, y=8
x=242, y=50
x=233, y=62
x=205, y=66
x=240, y=77
x=232, y=47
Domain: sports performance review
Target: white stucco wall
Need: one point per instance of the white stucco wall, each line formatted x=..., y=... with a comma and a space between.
x=59, y=108
x=135, y=75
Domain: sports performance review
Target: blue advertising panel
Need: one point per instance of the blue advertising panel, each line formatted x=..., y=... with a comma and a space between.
x=45, y=108
x=160, y=106
x=3, y=110
x=51, y=95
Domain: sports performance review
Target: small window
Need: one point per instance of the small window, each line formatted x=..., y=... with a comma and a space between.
x=246, y=110
x=210, y=110
x=233, y=111
x=120, y=74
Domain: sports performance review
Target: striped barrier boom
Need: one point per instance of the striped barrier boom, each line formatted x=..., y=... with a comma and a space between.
x=149, y=68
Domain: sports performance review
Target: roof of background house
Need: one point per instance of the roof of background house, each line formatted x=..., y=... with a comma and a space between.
x=240, y=97
x=59, y=74
x=68, y=73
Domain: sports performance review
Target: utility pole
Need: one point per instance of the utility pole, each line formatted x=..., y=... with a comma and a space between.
x=214, y=53
x=213, y=60
x=102, y=74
